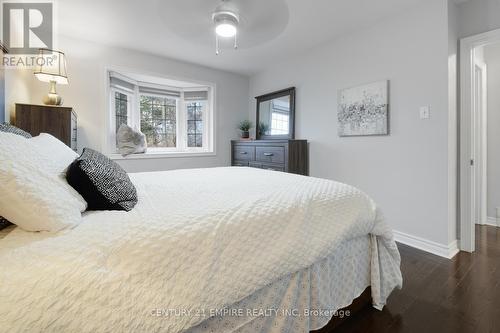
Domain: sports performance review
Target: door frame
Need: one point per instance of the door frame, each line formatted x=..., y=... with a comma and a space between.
x=481, y=137
x=468, y=127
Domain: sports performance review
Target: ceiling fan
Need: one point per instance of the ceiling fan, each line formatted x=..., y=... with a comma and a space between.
x=226, y=20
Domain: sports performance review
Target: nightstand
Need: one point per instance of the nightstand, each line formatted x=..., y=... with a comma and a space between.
x=58, y=121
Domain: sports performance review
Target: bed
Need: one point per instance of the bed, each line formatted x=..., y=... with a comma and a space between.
x=205, y=250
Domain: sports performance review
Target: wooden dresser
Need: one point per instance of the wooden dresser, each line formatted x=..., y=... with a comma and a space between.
x=280, y=155
x=58, y=121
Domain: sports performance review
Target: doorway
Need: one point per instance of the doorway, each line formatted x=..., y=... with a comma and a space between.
x=474, y=172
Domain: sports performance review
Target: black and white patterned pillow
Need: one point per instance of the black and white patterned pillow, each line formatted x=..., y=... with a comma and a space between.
x=101, y=182
x=8, y=128
x=14, y=130
x=4, y=223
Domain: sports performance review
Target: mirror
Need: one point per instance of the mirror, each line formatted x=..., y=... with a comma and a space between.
x=276, y=115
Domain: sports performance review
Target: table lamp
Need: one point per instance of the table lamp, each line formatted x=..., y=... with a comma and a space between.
x=51, y=67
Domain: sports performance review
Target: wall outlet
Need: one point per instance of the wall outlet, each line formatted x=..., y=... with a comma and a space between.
x=425, y=112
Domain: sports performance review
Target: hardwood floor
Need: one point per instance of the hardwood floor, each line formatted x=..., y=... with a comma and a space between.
x=440, y=295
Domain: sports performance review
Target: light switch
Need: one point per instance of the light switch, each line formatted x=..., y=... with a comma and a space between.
x=425, y=112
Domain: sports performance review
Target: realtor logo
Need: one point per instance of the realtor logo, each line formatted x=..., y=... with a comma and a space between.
x=27, y=27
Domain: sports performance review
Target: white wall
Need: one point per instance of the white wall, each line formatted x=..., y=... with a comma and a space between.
x=407, y=172
x=478, y=16
x=492, y=59
x=453, y=139
x=17, y=89
x=86, y=93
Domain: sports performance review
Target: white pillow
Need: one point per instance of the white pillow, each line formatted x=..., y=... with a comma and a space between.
x=33, y=192
x=57, y=156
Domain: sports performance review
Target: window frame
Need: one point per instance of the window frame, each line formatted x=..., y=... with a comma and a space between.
x=112, y=107
x=207, y=113
x=134, y=119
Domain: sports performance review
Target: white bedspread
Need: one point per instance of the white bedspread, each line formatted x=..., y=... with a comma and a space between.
x=198, y=240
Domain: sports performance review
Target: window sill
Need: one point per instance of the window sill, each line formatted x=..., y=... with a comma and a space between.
x=153, y=155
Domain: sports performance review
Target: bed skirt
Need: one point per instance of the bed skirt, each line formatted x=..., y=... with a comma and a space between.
x=303, y=301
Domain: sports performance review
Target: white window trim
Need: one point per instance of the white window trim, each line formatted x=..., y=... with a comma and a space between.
x=154, y=155
x=112, y=105
x=209, y=117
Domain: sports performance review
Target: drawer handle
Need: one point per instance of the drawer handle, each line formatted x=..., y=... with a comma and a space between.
x=243, y=152
x=268, y=154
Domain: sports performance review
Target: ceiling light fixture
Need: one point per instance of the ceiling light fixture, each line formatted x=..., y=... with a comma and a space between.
x=226, y=20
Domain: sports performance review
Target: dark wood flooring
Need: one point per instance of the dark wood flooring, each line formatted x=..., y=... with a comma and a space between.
x=440, y=295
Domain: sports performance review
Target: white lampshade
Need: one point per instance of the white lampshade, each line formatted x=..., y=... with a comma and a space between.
x=51, y=66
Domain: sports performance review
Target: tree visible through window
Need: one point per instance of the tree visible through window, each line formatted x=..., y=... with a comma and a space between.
x=195, y=124
x=121, y=105
x=158, y=120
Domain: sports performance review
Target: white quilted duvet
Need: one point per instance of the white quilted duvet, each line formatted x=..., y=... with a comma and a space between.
x=198, y=240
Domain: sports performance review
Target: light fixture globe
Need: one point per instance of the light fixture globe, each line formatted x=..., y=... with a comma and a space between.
x=226, y=29
x=226, y=23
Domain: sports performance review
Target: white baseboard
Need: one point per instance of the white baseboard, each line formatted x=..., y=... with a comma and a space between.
x=492, y=221
x=426, y=245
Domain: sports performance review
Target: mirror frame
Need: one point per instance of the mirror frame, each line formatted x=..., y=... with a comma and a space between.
x=291, y=124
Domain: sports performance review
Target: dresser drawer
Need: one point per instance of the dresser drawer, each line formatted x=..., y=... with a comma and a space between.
x=266, y=166
x=272, y=167
x=244, y=153
x=240, y=163
x=270, y=154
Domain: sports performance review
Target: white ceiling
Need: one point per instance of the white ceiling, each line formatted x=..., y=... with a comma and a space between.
x=271, y=30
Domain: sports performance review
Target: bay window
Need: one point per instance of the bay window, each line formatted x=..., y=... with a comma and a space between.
x=173, y=119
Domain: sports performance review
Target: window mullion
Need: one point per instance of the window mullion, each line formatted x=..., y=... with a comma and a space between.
x=206, y=121
x=182, y=124
x=112, y=144
x=136, y=109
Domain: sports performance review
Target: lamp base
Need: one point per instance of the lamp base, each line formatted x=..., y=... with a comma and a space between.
x=52, y=99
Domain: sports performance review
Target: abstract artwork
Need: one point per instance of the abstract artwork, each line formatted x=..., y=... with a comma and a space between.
x=364, y=110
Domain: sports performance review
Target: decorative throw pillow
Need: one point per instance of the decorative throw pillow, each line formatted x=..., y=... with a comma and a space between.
x=4, y=223
x=8, y=128
x=33, y=195
x=101, y=182
x=130, y=141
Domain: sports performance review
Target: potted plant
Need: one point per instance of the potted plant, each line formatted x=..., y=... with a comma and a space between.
x=245, y=127
x=263, y=128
